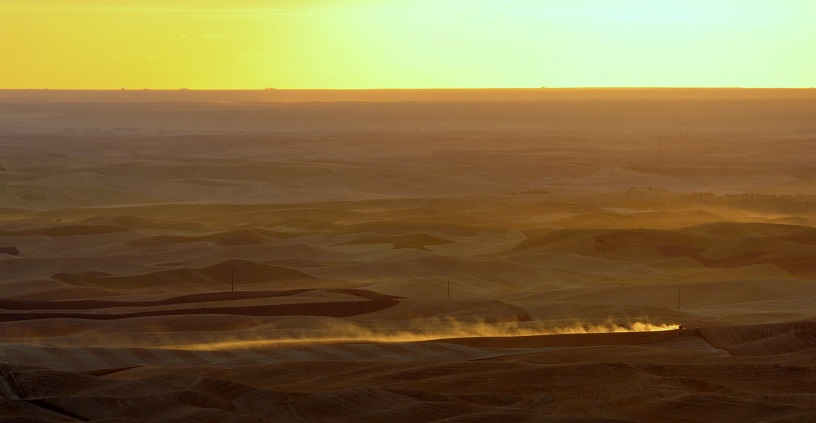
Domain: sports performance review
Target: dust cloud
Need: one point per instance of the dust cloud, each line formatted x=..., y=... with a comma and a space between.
x=425, y=330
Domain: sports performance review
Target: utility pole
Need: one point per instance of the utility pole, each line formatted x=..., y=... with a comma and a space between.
x=678, y=298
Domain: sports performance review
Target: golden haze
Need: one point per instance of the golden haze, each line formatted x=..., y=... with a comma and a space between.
x=290, y=256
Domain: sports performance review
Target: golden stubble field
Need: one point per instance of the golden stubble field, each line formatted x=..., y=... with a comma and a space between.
x=408, y=256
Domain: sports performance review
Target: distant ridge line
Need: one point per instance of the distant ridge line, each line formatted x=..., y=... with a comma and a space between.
x=401, y=95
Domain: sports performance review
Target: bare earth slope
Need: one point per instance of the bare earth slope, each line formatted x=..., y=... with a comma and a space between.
x=408, y=256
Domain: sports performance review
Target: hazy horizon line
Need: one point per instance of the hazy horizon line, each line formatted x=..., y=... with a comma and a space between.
x=657, y=87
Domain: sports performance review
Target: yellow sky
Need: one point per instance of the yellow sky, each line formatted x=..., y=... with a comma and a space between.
x=252, y=44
